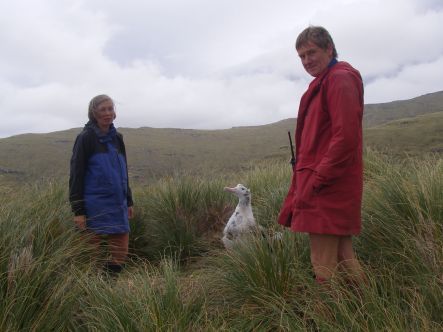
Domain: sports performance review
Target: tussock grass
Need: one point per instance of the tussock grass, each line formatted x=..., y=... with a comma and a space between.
x=178, y=217
x=147, y=299
x=37, y=253
x=256, y=280
x=403, y=214
x=269, y=184
x=181, y=279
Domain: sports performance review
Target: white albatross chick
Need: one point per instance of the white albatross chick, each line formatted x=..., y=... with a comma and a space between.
x=242, y=220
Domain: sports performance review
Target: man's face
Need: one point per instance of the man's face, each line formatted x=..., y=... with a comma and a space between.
x=314, y=59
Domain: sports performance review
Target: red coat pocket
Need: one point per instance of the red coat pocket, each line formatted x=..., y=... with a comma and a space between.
x=306, y=198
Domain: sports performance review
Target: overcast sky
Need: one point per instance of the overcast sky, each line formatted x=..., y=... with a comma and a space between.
x=203, y=64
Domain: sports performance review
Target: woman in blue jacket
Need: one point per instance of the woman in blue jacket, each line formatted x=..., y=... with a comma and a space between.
x=98, y=183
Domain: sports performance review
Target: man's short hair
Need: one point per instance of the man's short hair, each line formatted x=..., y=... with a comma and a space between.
x=317, y=35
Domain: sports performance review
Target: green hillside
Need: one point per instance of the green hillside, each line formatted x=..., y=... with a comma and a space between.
x=376, y=114
x=413, y=136
x=414, y=127
x=31, y=156
x=151, y=152
x=160, y=151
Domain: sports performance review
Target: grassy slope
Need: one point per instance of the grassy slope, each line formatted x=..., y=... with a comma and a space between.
x=151, y=151
x=163, y=150
x=377, y=114
x=413, y=136
x=31, y=156
x=155, y=152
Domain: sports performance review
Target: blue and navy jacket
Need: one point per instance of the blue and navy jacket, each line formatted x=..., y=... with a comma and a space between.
x=98, y=181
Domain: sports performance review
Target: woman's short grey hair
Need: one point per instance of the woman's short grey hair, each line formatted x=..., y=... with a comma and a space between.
x=317, y=35
x=93, y=105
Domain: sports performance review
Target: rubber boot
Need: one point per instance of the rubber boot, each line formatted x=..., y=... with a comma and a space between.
x=112, y=269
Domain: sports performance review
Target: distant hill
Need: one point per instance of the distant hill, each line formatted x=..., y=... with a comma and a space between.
x=151, y=152
x=414, y=126
x=377, y=114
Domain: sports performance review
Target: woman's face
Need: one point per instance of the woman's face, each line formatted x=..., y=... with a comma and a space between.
x=104, y=114
x=314, y=59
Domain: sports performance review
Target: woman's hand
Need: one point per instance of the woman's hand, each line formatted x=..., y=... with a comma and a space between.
x=80, y=222
x=130, y=212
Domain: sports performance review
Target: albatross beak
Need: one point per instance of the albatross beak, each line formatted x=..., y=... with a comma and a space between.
x=231, y=190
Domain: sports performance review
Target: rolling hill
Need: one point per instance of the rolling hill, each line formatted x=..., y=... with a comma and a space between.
x=413, y=126
x=377, y=114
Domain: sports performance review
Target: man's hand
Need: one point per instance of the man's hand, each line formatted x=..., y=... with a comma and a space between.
x=318, y=188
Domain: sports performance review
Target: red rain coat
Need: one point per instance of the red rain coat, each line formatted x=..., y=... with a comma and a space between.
x=327, y=183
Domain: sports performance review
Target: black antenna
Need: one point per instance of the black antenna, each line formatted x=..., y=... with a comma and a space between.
x=292, y=150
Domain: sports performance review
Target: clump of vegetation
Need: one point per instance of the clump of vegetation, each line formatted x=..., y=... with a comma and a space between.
x=149, y=298
x=183, y=216
x=180, y=277
x=178, y=217
x=403, y=234
x=37, y=255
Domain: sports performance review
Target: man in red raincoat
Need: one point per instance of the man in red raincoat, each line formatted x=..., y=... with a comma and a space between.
x=324, y=199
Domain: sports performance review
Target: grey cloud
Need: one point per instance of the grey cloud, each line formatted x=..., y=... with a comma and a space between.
x=200, y=64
